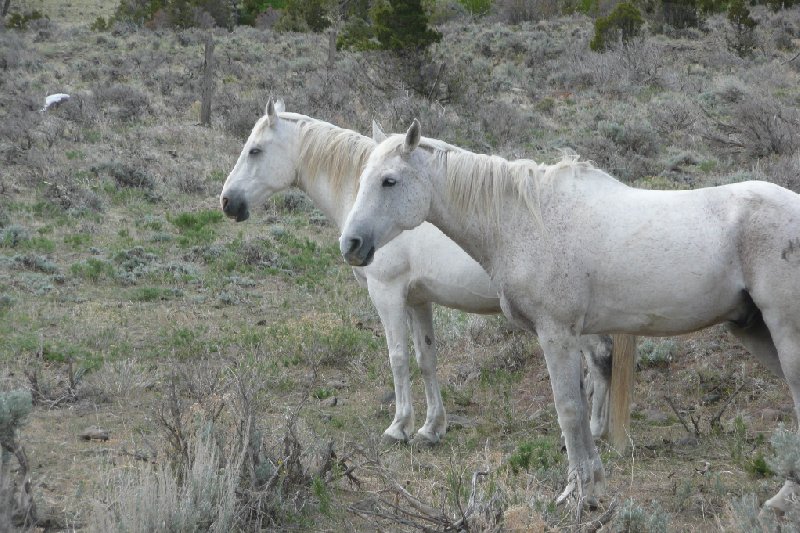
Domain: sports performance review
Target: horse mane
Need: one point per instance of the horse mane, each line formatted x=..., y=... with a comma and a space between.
x=481, y=183
x=339, y=153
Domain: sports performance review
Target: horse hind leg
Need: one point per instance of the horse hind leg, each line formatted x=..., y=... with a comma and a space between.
x=597, y=352
x=435, y=425
x=785, y=337
x=757, y=339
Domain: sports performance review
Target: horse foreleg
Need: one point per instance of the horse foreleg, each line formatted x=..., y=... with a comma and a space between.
x=425, y=346
x=563, y=356
x=392, y=310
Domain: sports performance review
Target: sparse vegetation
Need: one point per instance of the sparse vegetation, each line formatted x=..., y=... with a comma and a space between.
x=241, y=365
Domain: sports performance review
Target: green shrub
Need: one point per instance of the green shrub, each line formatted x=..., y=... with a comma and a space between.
x=399, y=25
x=302, y=15
x=681, y=13
x=19, y=21
x=622, y=24
x=743, y=39
x=477, y=7
x=101, y=24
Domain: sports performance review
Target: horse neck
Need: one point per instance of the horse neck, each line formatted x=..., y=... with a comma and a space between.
x=477, y=235
x=334, y=200
x=335, y=204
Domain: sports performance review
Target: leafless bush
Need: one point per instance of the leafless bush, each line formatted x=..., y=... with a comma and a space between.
x=504, y=122
x=67, y=193
x=638, y=63
x=238, y=114
x=672, y=113
x=782, y=169
x=80, y=109
x=517, y=11
x=125, y=176
x=17, y=508
x=201, y=496
x=223, y=471
x=393, y=505
x=122, y=102
x=756, y=124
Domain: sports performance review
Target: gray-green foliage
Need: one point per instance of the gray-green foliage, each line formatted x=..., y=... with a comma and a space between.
x=155, y=498
x=14, y=407
x=633, y=518
x=657, y=352
x=747, y=516
x=786, y=459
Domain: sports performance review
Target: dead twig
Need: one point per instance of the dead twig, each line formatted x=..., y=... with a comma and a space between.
x=682, y=420
x=716, y=420
x=603, y=519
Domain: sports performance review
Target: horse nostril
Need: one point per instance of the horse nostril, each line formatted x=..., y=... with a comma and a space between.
x=355, y=244
x=224, y=203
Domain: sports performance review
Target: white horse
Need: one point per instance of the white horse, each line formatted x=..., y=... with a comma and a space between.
x=574, y=251
x=418, y=268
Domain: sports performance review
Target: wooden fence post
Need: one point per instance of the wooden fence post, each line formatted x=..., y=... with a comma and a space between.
x=207, y=89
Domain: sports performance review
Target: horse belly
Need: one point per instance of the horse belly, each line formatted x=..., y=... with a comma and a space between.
x=667, y=304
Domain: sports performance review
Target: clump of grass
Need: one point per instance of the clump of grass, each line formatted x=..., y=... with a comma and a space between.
x=13, y=236
x=151, y=294
x=93, y=269
x=538, y=454
x=197, y=227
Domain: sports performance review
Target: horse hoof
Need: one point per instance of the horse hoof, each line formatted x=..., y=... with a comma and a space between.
x=787, y=497
x=591, y=503
x=391, y=440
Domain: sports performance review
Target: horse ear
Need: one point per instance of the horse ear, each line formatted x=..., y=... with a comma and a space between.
x=280, y=106
x=377, y=132
x=272, y=114
x=412, y=137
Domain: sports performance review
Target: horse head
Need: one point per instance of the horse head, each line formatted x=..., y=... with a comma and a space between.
x=394, y=195
x=264, y=167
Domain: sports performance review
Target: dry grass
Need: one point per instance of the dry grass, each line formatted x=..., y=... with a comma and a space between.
x=137, y=310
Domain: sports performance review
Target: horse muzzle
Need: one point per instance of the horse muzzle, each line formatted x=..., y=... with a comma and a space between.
x=357, y=251
x=234, y=206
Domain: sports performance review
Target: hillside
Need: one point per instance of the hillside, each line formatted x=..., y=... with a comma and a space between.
x=128, y=302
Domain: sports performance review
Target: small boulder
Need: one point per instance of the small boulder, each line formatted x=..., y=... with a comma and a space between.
x=94, y=433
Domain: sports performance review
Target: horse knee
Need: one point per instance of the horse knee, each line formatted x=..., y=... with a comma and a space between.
x=398, y=359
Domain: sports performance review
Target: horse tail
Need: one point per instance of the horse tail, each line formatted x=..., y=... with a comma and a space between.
x=623, y=363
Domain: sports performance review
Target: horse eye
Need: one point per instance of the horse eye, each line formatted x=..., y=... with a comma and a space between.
x=255, y=151
x=388, y=182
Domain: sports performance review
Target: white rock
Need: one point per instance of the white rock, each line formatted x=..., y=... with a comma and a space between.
x=54, y=99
